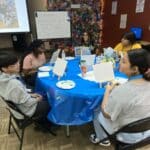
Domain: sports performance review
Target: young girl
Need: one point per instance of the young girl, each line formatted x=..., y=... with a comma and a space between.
x=35, y=58
x=128, y=42
x=128, y=102
x=32, y=61
x=14, y=90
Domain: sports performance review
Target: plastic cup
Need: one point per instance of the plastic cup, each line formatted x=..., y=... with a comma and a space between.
x=83, y=70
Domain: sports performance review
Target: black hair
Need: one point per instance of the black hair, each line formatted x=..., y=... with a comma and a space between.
x=33, y=47
x=7, y=58
x=130, y=36
x=141, y=59
x=89, y=41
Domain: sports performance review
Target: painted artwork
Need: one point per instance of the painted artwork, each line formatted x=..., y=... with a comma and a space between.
x=8, y=14
x=86, y=16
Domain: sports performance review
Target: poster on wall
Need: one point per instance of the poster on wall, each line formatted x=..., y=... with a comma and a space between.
x=13, y=16
x=140, y=6
x=123, y=21
x=114, y=8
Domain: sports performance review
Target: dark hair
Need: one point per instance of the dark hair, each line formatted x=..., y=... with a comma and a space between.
x=130, y=36
x=141, y=59
x=7, y=58
x=89, y=40
x=33, y=47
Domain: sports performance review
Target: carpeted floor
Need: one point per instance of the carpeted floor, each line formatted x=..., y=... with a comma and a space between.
x=35, y=140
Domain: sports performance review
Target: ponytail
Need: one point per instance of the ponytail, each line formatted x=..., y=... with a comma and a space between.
x=141, y=59
x=147, y=74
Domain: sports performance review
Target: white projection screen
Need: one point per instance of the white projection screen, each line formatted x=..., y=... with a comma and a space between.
x=52, y=24
x=13, y=16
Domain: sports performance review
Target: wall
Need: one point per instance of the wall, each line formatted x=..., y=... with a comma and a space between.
x=5, y=41
x=112, y=32
x=35, y=5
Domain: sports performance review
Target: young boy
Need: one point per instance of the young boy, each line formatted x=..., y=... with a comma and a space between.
x=14, y=90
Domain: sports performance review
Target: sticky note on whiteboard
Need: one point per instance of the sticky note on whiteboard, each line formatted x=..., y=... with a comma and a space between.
x=103, y=72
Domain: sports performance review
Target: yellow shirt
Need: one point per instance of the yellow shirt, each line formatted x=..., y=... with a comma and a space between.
x=120, y=48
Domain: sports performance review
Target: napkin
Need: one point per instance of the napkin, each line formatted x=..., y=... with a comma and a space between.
x=43, y=74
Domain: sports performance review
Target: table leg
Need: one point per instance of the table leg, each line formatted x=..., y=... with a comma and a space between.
x=67, y=131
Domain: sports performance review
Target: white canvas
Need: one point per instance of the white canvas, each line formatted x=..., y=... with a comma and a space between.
x=82, y=50
x=103, y=72
x=59, y=67
x=89, y=59
x=85, y=50
x=77, y=51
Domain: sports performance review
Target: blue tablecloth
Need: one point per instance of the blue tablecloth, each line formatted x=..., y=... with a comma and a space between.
x=74, y=106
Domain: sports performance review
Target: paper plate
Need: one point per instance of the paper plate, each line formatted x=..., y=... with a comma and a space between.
x=66, y=84
x=69, y=58
x=45, y=68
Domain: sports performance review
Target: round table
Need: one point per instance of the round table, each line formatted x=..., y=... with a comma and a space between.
x=74, y=106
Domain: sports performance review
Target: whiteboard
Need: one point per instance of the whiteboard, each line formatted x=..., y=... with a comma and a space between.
x=52, y=24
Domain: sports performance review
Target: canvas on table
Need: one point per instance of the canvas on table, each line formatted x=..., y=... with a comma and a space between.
x=103, y=72
x=59, y=67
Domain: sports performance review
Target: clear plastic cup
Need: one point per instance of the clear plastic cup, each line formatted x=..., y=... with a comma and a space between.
x=83, y=68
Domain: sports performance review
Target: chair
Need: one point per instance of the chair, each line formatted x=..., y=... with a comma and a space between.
x=135, y=127
x=21, y=121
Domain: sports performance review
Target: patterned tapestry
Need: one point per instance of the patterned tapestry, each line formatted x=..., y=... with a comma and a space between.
x=86, y=19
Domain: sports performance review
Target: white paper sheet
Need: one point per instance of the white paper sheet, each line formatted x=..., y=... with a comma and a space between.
x=123, y=21
x=75, y=6
x=45, y=68
x=82, y=50
x=114, y=8
x=89, y=59
x=43, y=74
x=54, y=56
x=140, y=6
x=103, y=72
x=69, y=58
x=77, y=51
x=59, y=67
x=89, y=76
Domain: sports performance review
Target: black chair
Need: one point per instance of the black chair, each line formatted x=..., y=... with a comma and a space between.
x=135, y=127
x=21, y=120
x=147, y=47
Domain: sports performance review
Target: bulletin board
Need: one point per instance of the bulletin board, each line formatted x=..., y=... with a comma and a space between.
x=52, y=24
x=86, y=16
